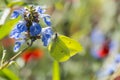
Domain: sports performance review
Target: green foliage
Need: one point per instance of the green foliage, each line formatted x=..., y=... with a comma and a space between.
x=11, y=4
x=7, y=27
x=63, y=48
x=8, y=75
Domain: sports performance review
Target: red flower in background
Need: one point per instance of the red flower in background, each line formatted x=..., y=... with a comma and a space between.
x=104, y=51
x=32, y=54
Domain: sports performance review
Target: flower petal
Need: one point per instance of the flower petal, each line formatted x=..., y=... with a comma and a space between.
x=40, y=10
x=45, y=40
x=46, y=35
x=19, y=31
x=35, y=29
x=16, y=13
x=21, y=26
x=17, y=46
x=47, y=20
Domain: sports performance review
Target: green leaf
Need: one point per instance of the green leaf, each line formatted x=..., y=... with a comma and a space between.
x=8, y=74
x=7, y=27
x=15, y=3
x=72, y=45
x=56, y=71
x=59, y=51
x=64, y=47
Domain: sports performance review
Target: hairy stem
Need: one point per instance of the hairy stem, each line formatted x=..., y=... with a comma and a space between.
x=3, y=56
x=5, y=64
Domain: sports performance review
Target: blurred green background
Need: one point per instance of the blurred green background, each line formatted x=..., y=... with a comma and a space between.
x=74, y=18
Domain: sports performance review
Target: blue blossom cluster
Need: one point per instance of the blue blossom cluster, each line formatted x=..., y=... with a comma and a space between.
x=30, y=28
x=110, y=67
x=106, y=71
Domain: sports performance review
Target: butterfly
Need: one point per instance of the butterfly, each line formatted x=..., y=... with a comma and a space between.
x=62, y=48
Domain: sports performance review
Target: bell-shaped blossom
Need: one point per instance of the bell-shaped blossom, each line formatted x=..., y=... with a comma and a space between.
x=46, y=35
x=35, y=29
x=16, y=13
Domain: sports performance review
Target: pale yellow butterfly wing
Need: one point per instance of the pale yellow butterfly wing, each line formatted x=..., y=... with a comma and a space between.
x=72, y=45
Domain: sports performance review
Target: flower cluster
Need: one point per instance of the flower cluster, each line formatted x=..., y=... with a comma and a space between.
x=30, y=28
x=111, y=67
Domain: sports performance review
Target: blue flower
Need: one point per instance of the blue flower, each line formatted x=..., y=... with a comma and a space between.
x=16, y=13
x=35, y=29
x=18, y=30
x=46, y=35
x=30, y=27
x=21, y=26
x=40, y=10
x=18, y=36
x=94, y=53
x=97, y=36
x=14, y=34
x=18, y=45
x=20, y=39
x=109, y=69
x=18, y=33
x=47, y=20
x=117, y=58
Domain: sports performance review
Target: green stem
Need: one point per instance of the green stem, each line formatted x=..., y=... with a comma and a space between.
x=5, y=64
x=56, y=70
x=3, y=57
